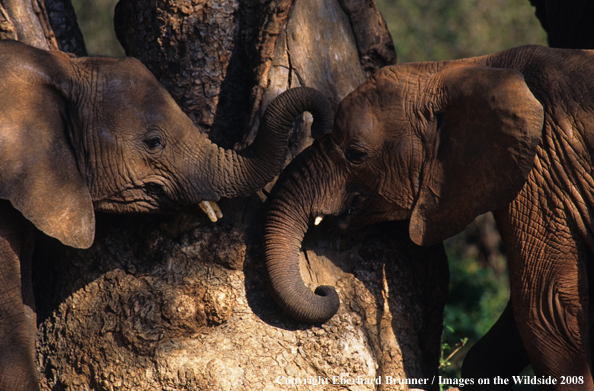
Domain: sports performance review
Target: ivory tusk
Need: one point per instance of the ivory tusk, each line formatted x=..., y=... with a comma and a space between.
x=212, y=210
x=216, y=209
x=318, y=220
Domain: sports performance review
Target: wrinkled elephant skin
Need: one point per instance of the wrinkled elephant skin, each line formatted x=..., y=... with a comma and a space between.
x=440, y=143
x=85, y=134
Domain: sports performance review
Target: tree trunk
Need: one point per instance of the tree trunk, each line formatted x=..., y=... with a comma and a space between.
x=178, y=302
x=27, y=21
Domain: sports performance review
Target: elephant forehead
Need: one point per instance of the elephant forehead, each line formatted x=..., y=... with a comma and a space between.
x=139, y=102
x=370, y=124
x=355, y=112
x=354, y=120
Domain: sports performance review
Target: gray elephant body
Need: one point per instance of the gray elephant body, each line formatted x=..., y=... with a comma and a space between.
x=79, y=134
x=440, y=143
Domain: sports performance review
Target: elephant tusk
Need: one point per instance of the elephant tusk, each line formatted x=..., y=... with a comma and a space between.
x=212, y=210
x=216, y=209
x=318, y=220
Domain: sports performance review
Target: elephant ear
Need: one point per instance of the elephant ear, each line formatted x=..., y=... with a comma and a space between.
x=39, y=174
x=488, y=127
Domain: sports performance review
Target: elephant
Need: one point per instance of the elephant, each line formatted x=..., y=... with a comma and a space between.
x=79, y=135
x=439, y=143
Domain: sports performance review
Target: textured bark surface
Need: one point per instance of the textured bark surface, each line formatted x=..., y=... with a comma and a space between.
x=376, y=48
x=208, y=54
x=7, y=27
x=63, y=22
x=27, y=21
x=180, y=303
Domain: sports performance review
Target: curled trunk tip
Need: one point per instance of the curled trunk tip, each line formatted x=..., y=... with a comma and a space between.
x=282, y=241
x=307, y=306
x=310, y=307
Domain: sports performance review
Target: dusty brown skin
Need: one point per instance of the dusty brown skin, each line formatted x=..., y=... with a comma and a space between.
x=440, y=143
x=102, y=133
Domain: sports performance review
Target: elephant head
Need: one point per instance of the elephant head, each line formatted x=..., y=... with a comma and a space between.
x=436, y=143
x=102, y=133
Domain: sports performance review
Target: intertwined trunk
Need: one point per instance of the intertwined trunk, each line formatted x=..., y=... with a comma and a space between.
x=240, y=174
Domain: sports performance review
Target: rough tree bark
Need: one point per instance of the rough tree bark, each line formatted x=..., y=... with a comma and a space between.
x=180, y=303
x=27, y=21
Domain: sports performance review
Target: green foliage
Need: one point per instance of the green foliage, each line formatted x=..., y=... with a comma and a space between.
x=429, y=30
x=445, y=348
x=446, y=362
x=478, y=295
x=95, y=19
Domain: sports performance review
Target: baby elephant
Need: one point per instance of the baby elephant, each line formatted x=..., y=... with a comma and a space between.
x=440, y=143
x=102, y=133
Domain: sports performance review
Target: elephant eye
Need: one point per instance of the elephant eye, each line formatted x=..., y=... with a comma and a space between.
x=355, y=154
x=153, y=142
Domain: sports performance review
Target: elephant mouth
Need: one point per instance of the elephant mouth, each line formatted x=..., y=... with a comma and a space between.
x=152, y=198
x=149, y=198
x=355, y=209
x=160, y=198
x=364, y=209
x=167, y=205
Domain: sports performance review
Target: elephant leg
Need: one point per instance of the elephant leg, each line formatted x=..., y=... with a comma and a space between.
x=17, y=367
x=26, y=262
x=549, y=293
x=500, y=352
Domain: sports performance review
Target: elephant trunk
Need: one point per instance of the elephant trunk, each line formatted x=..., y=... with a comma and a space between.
x=238, y=174
x=295, y=202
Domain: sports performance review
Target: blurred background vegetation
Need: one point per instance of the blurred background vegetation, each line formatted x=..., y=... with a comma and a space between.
x=422, y=30
x=95, y=19
x=430, y=30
